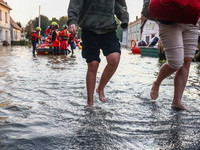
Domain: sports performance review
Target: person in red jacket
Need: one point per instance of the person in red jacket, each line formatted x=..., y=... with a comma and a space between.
x=55, y=38
x=34, y=38
x=49, y=32
x=64, y=40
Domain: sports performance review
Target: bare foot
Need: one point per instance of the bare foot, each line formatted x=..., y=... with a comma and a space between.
x=181, y=106
x=89, y=107
x=154, y=91
x=101, y=95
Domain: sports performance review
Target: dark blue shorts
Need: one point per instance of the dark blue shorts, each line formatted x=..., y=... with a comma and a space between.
x=92, y=43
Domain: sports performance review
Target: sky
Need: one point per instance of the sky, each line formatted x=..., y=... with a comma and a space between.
x=25, y=10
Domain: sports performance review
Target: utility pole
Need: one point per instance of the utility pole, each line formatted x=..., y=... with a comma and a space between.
x=39, y=19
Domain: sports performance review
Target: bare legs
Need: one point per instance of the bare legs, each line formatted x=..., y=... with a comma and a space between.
x=164, y=72
x=91, y=80
x=180, y=81
x=111, y=67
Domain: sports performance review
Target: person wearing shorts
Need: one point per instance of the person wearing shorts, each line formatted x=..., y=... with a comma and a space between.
x=98, y=34
x=93, y=43
x=179, y=42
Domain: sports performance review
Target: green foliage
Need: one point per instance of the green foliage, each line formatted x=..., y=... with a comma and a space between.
x=29, y=28
x=21, y=42
x=19, y=24
x=45, y=22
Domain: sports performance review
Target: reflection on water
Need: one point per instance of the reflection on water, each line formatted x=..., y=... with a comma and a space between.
x=43, y=98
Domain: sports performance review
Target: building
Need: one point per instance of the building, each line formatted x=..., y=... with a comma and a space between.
x=124, y=38
x=134, y=31
x=4, y=22
x=15, y=31
x=149, y=29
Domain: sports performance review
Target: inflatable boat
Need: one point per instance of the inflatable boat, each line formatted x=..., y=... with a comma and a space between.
x=44, y=49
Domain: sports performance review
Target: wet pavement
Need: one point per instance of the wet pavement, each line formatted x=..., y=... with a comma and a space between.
x=42, y=102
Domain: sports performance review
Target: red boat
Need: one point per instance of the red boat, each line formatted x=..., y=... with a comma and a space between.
x=44, y=49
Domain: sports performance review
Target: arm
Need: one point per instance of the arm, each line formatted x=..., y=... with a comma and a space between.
x=35, y=35
x=38, y=37
x=47, y=32
x=121, y=12
x=75, y=6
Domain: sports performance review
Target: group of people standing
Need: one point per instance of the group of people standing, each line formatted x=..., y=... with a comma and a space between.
x=59, y=40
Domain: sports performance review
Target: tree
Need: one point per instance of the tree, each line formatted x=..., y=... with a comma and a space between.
x=52, y=20
x=19, y=24
x=62, y=21
x=44, y=23
x=32, y=24
x=29, y=28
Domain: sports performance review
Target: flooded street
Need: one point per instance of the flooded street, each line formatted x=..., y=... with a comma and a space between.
x=42, y=102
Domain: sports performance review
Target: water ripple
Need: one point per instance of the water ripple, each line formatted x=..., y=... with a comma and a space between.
x=43, y=99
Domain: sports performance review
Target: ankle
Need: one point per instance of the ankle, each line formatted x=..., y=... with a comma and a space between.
x=155, y=83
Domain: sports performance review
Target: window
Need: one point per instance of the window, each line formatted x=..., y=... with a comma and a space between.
x=0, y=35
x=7, y=36
x=0, y=15
x=15, y=35
x=6, y=17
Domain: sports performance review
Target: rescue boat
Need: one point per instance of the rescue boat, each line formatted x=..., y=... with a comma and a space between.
x=45, y=49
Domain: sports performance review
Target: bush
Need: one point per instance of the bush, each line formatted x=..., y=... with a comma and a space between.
x=21, y=42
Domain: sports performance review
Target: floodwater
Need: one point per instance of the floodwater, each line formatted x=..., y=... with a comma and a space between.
x=43, y=99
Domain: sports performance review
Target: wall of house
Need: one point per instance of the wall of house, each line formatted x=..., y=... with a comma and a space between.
x=150, y=30
x=4, y=24
x=134, y=33
x=15, y=34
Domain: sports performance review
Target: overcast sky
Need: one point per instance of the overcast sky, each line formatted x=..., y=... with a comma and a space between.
x=25, y=10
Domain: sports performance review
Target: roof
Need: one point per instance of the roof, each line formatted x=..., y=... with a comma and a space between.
x=2, y=2
x=14, y=24
x=135, y=22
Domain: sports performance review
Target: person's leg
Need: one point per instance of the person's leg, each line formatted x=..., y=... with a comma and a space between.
x=72, y=50
x=64, y=52
x=91, y=52
x=58, y=50
x=54, y=49
x=111, y=49
x=164, y=72
x=91, y=81
x=190, y=36
x=180, y=81
x=112, y=64
x=34, y=46
x=171, y=37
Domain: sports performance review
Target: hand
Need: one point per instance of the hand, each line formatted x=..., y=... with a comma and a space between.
x=124, y=25
x=73, y=29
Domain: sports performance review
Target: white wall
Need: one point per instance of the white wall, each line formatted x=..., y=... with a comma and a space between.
x=150, y=28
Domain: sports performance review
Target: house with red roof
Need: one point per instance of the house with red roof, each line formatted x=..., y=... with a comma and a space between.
x=15, y=31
